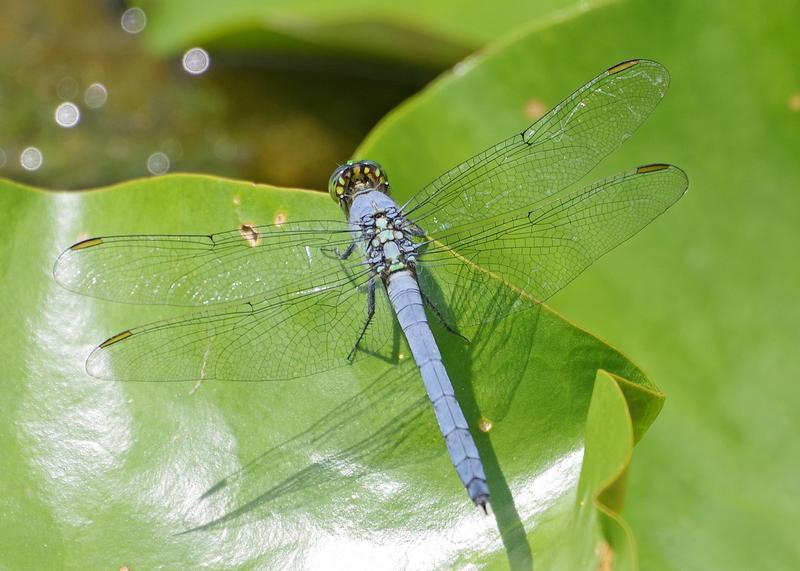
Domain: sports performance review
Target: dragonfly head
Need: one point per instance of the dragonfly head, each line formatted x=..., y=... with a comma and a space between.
x=354, y=177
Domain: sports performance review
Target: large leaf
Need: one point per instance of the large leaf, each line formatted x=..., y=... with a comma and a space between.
x=707, y=296
x=337, y=471
x=418, y=32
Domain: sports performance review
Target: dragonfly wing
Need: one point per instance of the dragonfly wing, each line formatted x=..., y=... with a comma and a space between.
x=551, y=154
x=480, y=271
x=191, y=270
x=287, y=335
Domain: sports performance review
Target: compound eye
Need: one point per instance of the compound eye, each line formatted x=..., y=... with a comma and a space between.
x=337, y=184
x=376, y=176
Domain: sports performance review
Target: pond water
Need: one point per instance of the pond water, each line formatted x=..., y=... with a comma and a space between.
x=83, y=103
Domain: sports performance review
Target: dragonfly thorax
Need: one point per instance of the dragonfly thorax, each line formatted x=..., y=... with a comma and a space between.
x=355, y=177
x=384, y=232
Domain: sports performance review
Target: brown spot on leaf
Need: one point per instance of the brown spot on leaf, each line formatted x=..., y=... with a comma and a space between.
x=534, y=109
x=250, y=234
x=605, y=557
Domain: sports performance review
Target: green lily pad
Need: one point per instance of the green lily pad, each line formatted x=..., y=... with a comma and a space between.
x=335, y=471
x=340, y=470
x=706, y=298
x=420, y=33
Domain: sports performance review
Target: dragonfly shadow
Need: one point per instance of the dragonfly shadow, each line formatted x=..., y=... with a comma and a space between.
x=384, y=351
x=485, y=385
x=325, y=460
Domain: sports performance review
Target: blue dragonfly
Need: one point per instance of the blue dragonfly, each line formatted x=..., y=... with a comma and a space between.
x=484, y=239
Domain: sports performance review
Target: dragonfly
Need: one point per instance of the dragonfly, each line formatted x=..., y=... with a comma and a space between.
x=494, y=234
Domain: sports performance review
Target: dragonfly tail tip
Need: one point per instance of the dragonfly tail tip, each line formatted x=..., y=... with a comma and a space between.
x=481, y=502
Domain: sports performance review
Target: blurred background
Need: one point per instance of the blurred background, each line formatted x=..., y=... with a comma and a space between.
x=98, y=97
x=705, y=300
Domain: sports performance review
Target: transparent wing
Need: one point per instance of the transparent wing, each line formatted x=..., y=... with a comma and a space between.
x=191, y=270
x=288, y=335
x=547, y=157
x=478, y=272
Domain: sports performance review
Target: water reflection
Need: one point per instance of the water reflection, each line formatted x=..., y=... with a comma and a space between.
x=31, y=159
x=133, y=20
x=158, y=163
x=196, y=61
x=67, y=115
x=95, y=95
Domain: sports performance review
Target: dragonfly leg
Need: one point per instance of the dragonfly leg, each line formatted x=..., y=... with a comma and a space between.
x=415, y=230
x=441, y=317
x=348, y=269
x=338, y=254
x=370, y=314
x=346, y=254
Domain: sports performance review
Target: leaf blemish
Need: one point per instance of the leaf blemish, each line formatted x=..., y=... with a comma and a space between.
x=250, y=233
x=534, y=109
